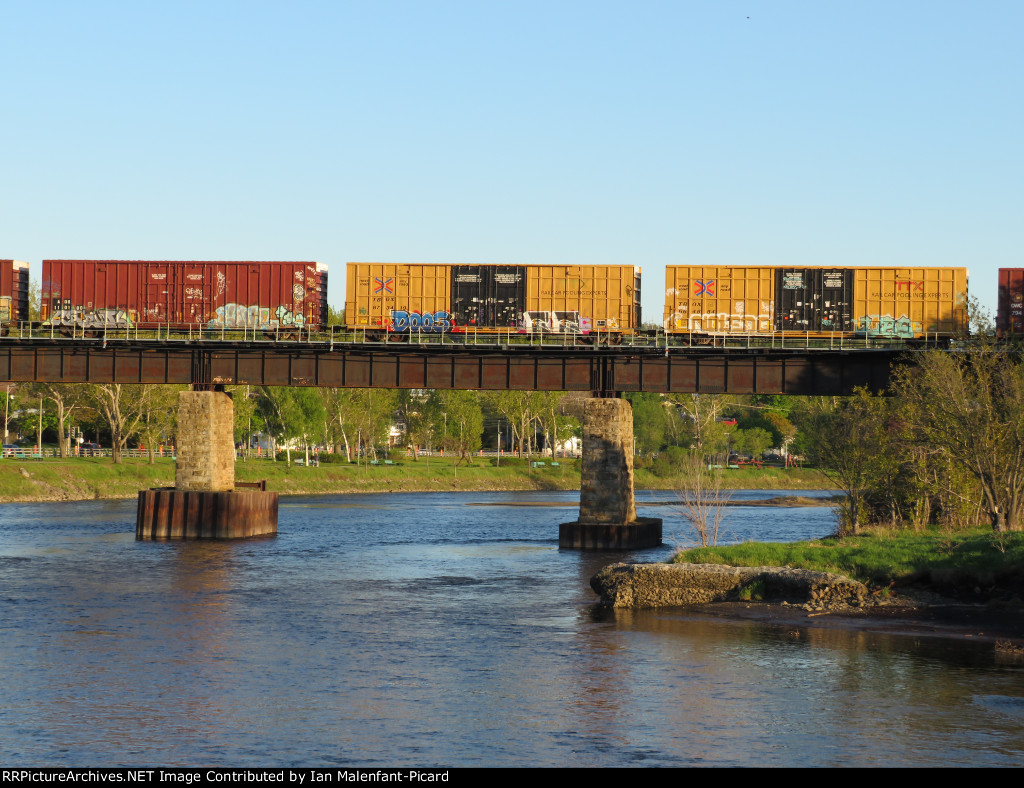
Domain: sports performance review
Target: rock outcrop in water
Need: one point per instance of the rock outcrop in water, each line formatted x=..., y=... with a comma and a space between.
x=665, y=585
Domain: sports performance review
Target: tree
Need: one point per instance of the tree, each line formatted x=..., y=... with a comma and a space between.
x=464, y=419
x=374, y=416
x=122, y=406
x=519, y=409
x=754, y=441
x=554, y=418
x=159, y=417
x=8, y=393
x=335, y=315
x=312, y=428
x=849, y=444
x=784, y=429
x=649, y=422
x=970, y=407
x=341, y=409
x=248, y=419
x=360, y=417
x=66, y=398
x=35, y=300
x=293, y=414
x=702, y=501
x=703, y=411
x=420, y=411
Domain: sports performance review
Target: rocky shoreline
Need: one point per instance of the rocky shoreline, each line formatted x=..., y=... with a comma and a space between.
x=661, y=585
x=784, y=596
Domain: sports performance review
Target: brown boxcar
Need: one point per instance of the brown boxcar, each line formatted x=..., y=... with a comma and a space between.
x=819, y=301
x=437, y=298
x=13, y=291
x=267, y=296
x=1010, y=309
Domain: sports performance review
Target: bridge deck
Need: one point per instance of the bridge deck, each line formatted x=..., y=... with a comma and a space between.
x=600, y=369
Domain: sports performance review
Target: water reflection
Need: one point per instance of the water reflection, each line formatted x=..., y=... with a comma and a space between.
x=414, y=629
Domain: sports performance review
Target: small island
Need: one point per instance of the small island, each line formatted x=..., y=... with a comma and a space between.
x=962, y=583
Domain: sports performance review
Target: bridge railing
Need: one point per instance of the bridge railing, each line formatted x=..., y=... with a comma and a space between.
x=164, y=333
x=34, y=453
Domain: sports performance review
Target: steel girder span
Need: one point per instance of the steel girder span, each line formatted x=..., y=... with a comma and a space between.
x=603, y=371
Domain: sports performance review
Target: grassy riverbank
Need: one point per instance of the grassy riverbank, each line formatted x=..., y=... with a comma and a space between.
x=972, y=563
x=89, y=478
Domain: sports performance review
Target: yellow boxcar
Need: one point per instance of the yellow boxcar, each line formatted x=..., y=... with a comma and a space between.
x=375, y=291
x=415, y=297
x=819, y=301
x=910, y=302
x=719, y=299
x=603, y=297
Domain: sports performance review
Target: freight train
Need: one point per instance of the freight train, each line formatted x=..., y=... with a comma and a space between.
x=394, y=301
x=1010, y=309
x=701, y=302
x=96, y=295
x=900, y=303
x=13, y=293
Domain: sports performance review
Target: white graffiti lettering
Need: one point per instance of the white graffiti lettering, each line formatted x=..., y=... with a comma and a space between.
x=255, y=317
x=76, y=317
x=722, y=321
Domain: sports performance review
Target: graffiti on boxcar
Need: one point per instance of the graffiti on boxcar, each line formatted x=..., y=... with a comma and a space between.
x=561, y=323
x=888, y=326
x=256, y=317
x=722, y=321
x=76, y=317
x=426, y=322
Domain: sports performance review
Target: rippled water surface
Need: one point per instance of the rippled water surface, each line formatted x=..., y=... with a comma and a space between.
x=417, y=629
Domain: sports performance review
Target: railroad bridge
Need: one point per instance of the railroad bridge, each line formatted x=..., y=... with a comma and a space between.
x=205, y=502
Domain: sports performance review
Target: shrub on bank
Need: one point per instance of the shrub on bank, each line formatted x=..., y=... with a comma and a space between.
x=976, y=561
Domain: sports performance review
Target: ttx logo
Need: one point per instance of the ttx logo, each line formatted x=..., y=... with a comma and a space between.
x=383, y=285
x=909, y=285
x=704, y=288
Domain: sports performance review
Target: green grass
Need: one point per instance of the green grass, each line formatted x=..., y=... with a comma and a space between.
x=86, y=478
x=745, y=479
x=409, y=476
x=81, y=478
x=965, y=561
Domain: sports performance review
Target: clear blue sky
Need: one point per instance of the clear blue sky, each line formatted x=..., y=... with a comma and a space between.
x=651, y=133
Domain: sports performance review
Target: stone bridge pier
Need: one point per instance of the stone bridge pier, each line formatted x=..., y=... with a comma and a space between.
x=205, y=502
x=608, y=518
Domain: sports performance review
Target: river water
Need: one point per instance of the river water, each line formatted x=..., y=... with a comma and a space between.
x=421, y=630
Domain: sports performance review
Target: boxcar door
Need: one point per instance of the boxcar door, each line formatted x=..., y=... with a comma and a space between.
x=813, y=299
x=157, y=294
x=507, y=297
x=488, y=296
x=467, y=297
